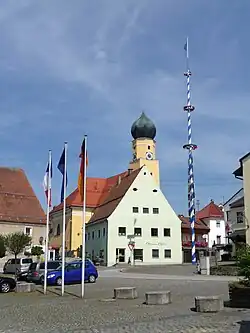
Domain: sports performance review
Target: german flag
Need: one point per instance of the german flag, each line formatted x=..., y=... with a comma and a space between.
x=83, y=165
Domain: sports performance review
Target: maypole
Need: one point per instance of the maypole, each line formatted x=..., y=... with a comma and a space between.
x=190, y=147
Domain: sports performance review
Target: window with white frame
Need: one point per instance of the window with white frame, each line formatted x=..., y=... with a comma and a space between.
x=137, y=232
x=155, y=253
x=135, y=209
x=154, y=232
x=218, y=224
x=28, y=231
x=167, y=253
x=122, y=231
x=218, y=239
x=155, y=210
x=239, y=217
x=167, y=232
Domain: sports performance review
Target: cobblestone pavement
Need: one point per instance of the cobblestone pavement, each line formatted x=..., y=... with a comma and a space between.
x=98, y=313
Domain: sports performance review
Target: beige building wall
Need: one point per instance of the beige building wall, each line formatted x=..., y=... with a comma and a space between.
x=36, y=231
x=246, y=186
x=140, y=149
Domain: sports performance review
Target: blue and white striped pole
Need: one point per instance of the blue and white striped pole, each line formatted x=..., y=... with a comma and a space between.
x=190, y=147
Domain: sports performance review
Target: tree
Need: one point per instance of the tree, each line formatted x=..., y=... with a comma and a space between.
x=37, y=251
x=15, y=244
x=2, y=247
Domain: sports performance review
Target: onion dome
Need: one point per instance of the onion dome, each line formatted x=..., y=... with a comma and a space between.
x=143, y=127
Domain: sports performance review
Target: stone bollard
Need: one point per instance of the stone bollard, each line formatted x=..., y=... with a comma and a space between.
x=158, y=297
x=208, y=304
x=125, y=293
x=24, y=287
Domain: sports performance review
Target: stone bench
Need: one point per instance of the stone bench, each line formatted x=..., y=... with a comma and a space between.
x=208, y=304
x=158, y=297
x=125, y=293
x=24, y=287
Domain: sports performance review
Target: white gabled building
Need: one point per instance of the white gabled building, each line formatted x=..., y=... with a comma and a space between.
x=136, y=211
x=213, y=216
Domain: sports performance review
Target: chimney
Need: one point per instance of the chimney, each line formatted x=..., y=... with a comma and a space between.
x=119, y=180
x=129, y=171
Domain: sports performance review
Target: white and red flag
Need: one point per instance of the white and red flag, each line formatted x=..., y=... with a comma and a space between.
x=47, y=182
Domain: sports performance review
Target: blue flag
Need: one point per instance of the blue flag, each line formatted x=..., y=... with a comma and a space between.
x=186, y=48
x=61, y=167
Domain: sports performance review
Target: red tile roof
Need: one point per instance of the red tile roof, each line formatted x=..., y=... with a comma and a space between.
x=97, y=190
x=111, y=201
x=199, y=225
x=18, y=202
x=211, y=210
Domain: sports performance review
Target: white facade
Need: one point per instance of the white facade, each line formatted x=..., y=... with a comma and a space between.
x=217, y=234
x=145, y=213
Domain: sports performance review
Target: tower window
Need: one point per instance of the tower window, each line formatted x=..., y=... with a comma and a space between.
x=145, y=173
x=145, y=210
x=148, y=147
x=154, y=190
x=135, y=189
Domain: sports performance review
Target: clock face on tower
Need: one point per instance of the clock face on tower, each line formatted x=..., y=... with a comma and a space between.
x=149, y=155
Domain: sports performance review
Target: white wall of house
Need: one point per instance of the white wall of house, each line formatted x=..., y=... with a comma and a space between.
x=96, y=239
x=227, y=209
x=156, y=249
x=217, y=234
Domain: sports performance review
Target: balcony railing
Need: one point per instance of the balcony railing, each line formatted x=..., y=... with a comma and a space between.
x=197, y=244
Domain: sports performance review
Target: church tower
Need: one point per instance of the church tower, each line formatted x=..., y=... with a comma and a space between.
x=143, y=131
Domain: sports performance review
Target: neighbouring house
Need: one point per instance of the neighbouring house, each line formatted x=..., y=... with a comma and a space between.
x=125, y=212
x=213, y=216
x=234, y=217
x=201, y=244
x=20, y=209
x=238, y=206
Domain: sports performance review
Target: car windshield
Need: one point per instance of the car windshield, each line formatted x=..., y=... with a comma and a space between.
x=70, y=264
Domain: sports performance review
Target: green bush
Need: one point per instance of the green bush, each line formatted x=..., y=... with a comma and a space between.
x=243, y=262
x=37, y=251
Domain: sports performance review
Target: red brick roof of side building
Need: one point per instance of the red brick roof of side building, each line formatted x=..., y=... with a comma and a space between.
x=199, y=225
x=210, y=211
x=18, y=202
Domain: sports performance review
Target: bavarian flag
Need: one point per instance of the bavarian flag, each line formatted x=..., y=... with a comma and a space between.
x=84, y=163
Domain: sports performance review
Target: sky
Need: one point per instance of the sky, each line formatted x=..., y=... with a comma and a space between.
x=70, y=68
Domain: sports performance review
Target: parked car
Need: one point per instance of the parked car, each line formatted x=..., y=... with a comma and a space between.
x=22, y=276
x=7, y=284
x=73, y=273
x=21, y=265
x=37, y=269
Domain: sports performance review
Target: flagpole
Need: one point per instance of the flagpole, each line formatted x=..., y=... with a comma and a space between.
x=84, y=215
x=64, y=215
x=47, y=224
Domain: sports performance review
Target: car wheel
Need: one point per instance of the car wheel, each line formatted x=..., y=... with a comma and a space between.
x=59, y=281
x=42, y=279
x=5, y=287
x=92, y=279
